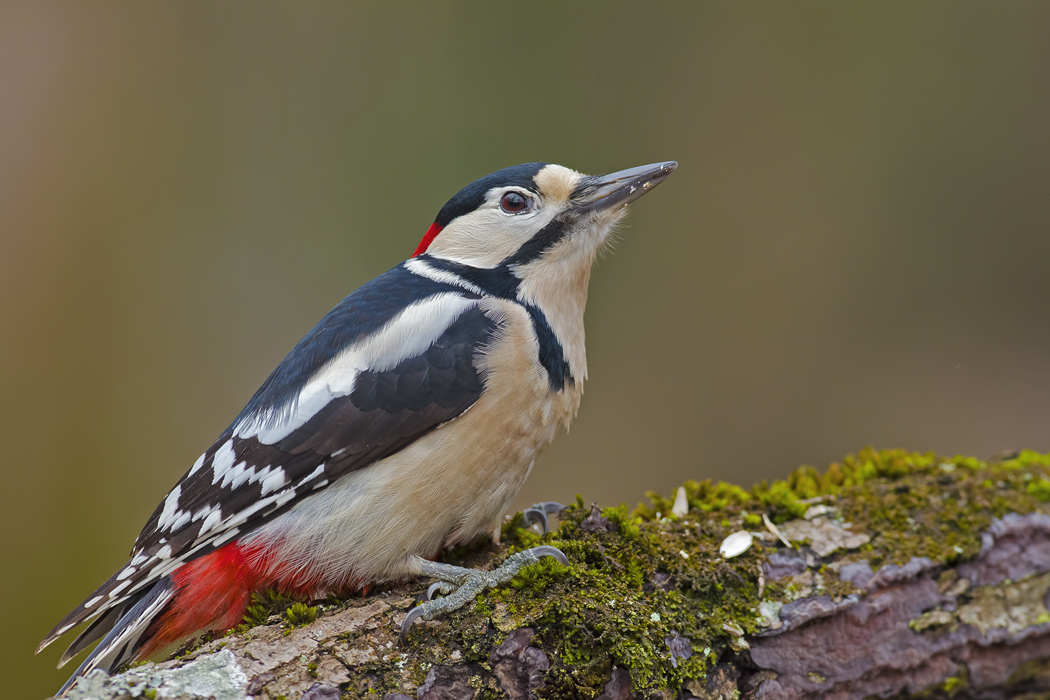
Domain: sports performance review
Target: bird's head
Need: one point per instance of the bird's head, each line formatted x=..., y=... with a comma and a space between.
x=536, y=212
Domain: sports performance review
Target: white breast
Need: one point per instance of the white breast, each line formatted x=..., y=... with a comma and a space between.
x=448, y=487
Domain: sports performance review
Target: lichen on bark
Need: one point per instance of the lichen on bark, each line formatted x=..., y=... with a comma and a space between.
x=906, y=571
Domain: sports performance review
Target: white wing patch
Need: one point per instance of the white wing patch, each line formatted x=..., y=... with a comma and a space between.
x=312, y=475
x=274, y=481
x=171, y=508
x=238, y=475
x=408, y=334
x=181, y=519
x=119, y=589
x=269, y=502
x=213, y=518
x=198, y=464
x=222, y=461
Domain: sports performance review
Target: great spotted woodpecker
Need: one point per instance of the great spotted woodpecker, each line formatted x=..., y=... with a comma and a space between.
x=403, y=423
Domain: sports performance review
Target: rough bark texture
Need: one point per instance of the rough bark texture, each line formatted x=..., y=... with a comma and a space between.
x=906, y=574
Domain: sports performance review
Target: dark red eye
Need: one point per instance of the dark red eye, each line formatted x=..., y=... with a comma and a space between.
x=514, y=202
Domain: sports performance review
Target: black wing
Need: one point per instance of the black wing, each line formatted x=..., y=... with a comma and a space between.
x=294, y=437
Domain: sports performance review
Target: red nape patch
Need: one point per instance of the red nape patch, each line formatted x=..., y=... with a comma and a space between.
x=211, y=593
x=428, y=238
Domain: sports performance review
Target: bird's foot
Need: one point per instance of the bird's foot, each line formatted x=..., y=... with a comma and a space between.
x=537, y=515
x=460, y=585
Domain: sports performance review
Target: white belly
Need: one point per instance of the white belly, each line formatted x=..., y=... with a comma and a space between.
x=448, y=487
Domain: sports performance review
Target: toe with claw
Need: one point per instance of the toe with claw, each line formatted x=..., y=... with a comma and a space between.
x=538, y=513
x=461, y=585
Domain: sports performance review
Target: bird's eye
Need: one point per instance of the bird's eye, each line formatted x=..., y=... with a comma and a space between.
x=514, y=203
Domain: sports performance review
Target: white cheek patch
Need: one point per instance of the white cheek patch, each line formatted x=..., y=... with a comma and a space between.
x=408, y=334
x=486, y=237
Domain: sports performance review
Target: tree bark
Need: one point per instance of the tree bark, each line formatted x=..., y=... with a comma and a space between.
x=892, y=574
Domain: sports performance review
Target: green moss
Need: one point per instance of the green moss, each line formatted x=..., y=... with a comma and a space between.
x=294, y=613
x=607, y=593
x=481, y=607
x=782, y=500
x=516, y=534
x=1026, y=458
x=949, y=686
x=704, y=495
x=953, y=685
x=263, y=606
x=1040, y=488
x=626, y=524
x=538, y=576
x=299, y=615
x=910, y=504
x=888, y=493
x=150, y=693
x=932, y=513
x=635, y=573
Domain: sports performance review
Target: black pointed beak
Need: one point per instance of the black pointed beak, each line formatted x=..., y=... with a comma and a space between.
x=621, y=188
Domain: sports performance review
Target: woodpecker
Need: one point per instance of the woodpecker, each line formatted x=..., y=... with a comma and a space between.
x=403, y=423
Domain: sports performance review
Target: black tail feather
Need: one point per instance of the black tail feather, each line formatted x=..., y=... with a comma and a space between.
x=100, y=626
x=127, y=636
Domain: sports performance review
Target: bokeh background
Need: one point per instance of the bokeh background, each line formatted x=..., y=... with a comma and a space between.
x=855, y=249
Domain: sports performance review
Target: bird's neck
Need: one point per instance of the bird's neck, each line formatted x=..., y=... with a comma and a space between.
x=560, y=290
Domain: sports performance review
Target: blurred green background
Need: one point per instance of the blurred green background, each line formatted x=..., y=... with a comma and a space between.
x=855, y=249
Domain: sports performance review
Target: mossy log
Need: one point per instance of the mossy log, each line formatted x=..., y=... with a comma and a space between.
x=892, y=574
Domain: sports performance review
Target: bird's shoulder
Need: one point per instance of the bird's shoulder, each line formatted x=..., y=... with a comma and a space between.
x=391, y=361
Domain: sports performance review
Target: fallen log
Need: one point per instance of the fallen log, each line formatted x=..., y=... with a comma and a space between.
x=891, y=574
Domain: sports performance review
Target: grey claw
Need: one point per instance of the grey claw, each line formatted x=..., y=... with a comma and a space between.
x=411, y=617
x=538, y=513
x=534, y=516
x=545, y=550
x=434, y=588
